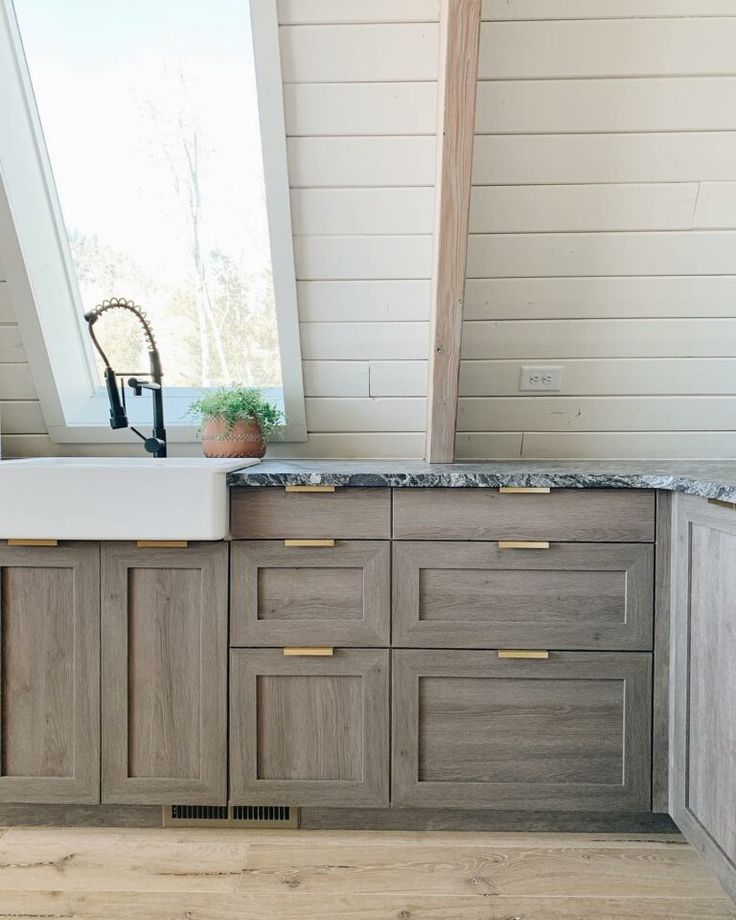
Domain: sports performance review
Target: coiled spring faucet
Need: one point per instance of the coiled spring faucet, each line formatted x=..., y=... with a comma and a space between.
x=156, y=444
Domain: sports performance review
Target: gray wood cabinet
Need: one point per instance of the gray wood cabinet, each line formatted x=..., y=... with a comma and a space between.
x=569, y=596
x=164, y=674
x=309, y=731
x=569, y=733
x=334, y=596
x=703, y=734
x=49, y=728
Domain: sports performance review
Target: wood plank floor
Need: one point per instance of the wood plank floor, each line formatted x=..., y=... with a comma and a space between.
x=116, y=874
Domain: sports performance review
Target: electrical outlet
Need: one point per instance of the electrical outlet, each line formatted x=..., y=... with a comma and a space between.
x=541, y=378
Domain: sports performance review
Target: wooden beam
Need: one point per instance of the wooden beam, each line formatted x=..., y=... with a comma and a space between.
x=458, y=80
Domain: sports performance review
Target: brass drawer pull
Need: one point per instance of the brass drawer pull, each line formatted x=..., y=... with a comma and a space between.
x=720, y=503
x=309, y=488
x=520, y=653
x=19, y=542
x=309, y=542
x=161, y=544
x=524, y=490
x=316, y=652
x=523, y=544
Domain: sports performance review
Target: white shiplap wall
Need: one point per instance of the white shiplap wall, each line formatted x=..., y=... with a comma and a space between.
x=360, y=96
x=603, y=230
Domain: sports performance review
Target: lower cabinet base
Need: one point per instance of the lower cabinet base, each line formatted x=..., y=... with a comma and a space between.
x=394, y=819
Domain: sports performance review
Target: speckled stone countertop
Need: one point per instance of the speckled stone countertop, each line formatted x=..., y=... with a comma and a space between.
x=710, y=479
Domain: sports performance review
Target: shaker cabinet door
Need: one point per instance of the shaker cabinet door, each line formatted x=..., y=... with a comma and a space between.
x=703, y=755
x=164, y=674
x=50, y=637
x=571, y=733
x=309, y=731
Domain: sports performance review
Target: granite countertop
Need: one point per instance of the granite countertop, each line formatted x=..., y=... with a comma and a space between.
x=708, y=478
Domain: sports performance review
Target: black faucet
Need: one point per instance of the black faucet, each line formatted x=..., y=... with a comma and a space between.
x=156, y=444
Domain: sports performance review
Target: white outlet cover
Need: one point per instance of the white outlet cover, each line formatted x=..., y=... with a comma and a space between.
x=543, y=377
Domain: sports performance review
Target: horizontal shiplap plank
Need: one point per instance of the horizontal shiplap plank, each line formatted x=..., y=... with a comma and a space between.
x=579, y=106
x=7, y=313
x=336, y=378
x=555, y=208
x=607, y=48
x=324, y=162
x=11, y=346
x=608, y=377
x=394, y=52
x=352, y=446
x=363, y=257
x=605, y=297
x=564, y=254
x=21, y=417
x=601, y=445
x=601, y=9
x=383, y=211
x=363, y=301
x=398, y=378
x=297, y=12
x=559, y=158
x=596, y=413
x=360, y=108
x=364, y=341
x=362, y=415
x=716, y=206
x=27, y=445
x=16, y=382
x=646, y=338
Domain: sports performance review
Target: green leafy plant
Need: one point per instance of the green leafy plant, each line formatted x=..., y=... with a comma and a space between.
x=238, y=404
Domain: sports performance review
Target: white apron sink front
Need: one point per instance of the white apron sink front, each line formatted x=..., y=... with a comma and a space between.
x=97, y=498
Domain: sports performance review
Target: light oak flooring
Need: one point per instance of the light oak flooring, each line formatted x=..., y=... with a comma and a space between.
x=115, y=874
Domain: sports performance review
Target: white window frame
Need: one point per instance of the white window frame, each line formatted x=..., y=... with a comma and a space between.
x=38, y=267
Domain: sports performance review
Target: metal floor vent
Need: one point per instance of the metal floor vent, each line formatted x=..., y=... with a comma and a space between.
x=242, y=816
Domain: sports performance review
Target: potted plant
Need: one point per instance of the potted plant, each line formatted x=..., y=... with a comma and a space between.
x=235, y=422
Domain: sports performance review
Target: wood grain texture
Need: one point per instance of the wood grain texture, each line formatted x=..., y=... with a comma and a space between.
x=49, y=724
x=164, y=640
x=570, y=733
x=290, y=596
x=162, y=874
x=663, y=598
x=472, y=595
x=459, y=48
x=263, y=514
x=588, y=515
x=309, y=731
x=703, y=738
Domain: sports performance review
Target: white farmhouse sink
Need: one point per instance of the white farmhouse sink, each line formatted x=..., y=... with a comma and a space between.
x=95, y=498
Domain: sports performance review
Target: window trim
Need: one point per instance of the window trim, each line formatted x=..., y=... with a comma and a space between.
x=38, y=266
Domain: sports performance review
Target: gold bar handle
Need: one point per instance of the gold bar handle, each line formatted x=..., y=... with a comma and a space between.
x=314, y=652
x=720, y=503
x=523, y=544
x=309, y=542
x=20, y=542
x=524, y=490
x=521, y=653
x=161, y=544
x=309, y=488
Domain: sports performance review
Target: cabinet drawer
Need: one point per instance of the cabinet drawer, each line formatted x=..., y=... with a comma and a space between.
x=569, y=733
x=284, y=595
x=309, y=731
x=570, y=596
x=585, y=515
x=272, y=514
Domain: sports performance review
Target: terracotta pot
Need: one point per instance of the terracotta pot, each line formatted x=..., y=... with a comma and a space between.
x=244, y=439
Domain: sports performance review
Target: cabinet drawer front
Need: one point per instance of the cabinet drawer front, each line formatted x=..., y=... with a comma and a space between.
x=585, y=515
x=570, y=596
x=273, y=514
x=309, y=731
x=283, y=595
x=568, y=733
